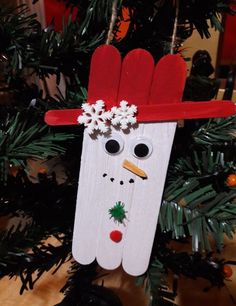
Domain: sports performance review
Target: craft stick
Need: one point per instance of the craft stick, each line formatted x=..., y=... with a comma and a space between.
x=168, y=80
x=156, y=112
x=136, y=77
x=104, y=75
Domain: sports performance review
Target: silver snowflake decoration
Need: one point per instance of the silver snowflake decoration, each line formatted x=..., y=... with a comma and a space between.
x=123, y=115
x=94, y=117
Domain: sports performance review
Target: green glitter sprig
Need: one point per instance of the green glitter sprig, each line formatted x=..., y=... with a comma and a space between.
x=118, y=213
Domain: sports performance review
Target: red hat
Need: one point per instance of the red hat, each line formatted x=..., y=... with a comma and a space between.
x=155, y=90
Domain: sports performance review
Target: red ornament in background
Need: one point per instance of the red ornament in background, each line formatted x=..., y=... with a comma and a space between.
x=56, y=11
x=227, y=46
x=123, y=24
x=43, y=170
x=231, y=180
x=228, y=272
x=13, y=170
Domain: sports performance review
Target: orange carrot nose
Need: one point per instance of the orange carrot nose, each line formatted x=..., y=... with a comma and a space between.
x=134, y=169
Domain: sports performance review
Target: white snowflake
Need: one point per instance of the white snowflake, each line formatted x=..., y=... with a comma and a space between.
x=94, y=117
x=124, y=115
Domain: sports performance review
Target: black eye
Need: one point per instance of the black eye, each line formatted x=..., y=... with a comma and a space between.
x=141, y=150
x=113, y=145
x=141, y=147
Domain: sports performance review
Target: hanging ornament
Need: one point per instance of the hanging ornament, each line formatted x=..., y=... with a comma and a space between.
x=228, y=272
x=123, y=24
x=126, y=154
x=13, y=170
x=57, y=12
x=231, y=180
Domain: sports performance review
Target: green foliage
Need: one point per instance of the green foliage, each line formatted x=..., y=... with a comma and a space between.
x=156, y=286
x=60, y=52
x=44, y=51
x=16, y=30
x=79, y=289
x=34, y=263
x=216, y=132
x=151, y=25
x=39, y=210
x=203, y=164
x=97, y=12
x=199, y=203
x=22, y=138
x=75, y=95
x=201, y=15
x=201, y=212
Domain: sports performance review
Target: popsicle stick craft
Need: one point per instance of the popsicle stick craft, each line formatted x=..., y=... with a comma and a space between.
x=130, y=120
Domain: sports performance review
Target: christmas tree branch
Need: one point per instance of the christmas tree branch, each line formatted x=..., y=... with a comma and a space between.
x=217, y=132
x=189, y=209
x=21, y=138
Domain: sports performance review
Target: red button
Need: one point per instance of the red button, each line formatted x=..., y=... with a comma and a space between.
x=116, y=236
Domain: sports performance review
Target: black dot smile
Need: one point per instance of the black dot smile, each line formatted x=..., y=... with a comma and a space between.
x=112, y=179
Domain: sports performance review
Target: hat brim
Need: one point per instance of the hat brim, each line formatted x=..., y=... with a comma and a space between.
x=155, y=112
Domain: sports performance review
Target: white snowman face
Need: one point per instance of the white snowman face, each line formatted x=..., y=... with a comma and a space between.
x=123, y=173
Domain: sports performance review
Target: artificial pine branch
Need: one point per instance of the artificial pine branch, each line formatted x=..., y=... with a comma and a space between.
x=219, y=131
x=17, y=26
x=156, y=286
x=193, y=14
x=199, y=203
x=20, y=256
x=80, y=278
x=49, y=209
x=21, y=138
x=198, y=14
x=50, y=52
x=190, y=209
x=49, y=204
x=193, y=265
x=75, y=95
x=44, y=51
x=203, y=163
x=80, y=288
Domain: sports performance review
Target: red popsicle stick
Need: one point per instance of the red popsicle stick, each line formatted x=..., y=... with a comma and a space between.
x=62, y=116
x=104, y=77
x=136, y=77
x=156, y=112
x=168, y=80
x=185, y=110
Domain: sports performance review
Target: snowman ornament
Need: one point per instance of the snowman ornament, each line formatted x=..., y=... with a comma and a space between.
x=130, y=120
